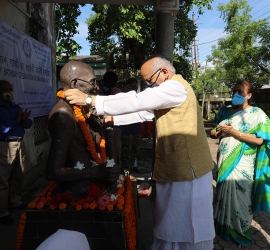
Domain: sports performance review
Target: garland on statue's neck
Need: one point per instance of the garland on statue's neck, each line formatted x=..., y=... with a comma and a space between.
x=86, y=133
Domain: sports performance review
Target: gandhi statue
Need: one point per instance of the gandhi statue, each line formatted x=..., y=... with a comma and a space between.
x=69, y=160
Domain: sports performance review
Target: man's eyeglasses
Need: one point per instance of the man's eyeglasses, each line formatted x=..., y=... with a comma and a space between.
x=92, y=82
x=148, y=81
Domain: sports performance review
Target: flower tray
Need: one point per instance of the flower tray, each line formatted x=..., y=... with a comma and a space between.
x=103, y=229
x=111, y=226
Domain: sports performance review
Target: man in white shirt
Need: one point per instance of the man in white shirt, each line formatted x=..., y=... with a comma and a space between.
x=183, y=162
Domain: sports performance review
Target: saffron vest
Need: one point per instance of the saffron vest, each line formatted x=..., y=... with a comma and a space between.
x=181, y=141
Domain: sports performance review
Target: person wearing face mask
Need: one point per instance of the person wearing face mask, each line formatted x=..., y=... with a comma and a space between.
x=107, y=86
x=243, y=160
x=183, y=162
x=13, y=122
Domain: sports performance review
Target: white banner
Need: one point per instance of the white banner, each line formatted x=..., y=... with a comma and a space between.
x=26, y=64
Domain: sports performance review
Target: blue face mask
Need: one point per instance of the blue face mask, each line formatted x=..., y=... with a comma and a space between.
x=237, y=99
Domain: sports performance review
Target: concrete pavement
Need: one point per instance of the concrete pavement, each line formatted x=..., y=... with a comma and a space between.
x=260, y=224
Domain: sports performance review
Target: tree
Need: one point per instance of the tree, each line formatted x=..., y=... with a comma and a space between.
x=208, y=85
x=65, y=28
x=244, y=53
x=115, y=30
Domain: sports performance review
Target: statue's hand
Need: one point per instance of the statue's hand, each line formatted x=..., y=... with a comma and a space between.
x=111, y=174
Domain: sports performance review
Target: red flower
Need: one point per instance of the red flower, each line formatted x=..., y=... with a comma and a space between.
x=94, y=191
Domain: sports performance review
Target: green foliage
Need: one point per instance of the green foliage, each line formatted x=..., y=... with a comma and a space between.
x=244, y=53
x=115, y=30
x=120, y=29
x=65, y=28
x=207, y=81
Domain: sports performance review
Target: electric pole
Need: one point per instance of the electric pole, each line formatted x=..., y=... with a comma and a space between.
x=195, y=63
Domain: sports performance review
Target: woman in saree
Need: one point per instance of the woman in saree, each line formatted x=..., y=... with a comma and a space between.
x=243, y=162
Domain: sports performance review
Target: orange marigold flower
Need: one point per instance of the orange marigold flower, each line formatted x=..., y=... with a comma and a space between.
x=120, y=201
x=92, y=206
x=85, y=205
x=52, y=207
x=21, y=226
x=62, y=206
x=110, y=207
x=120, y=190
x=32, y=205
x=119, y=207
x=120, y=197
x=78, y=207
x=40, y=205
x=113, y=202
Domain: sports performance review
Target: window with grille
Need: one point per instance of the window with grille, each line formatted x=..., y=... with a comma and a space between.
x=40, y=129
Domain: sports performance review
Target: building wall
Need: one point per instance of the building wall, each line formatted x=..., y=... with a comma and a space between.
x=37, y=21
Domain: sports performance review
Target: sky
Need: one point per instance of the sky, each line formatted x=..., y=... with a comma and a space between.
x=210, y=26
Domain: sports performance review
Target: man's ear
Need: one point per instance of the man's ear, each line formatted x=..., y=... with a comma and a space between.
x=166, y=73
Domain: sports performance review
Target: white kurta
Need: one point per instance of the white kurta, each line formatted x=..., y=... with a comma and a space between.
x=167, y=95
x=184, y=211
x=65, y=240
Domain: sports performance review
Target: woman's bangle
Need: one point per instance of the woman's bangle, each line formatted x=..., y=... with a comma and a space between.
x=240, y=134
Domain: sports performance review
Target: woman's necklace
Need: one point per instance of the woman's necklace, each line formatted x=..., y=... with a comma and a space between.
x=86, y=133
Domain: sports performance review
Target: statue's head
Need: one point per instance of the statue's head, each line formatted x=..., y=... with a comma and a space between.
x=78, y=75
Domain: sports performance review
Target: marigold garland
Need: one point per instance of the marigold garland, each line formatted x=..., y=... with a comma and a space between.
x=122, y=202
x=86, y=133
x=129, y=216
x=20, y=231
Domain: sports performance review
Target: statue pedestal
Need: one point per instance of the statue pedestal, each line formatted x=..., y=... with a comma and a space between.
x=103, y=229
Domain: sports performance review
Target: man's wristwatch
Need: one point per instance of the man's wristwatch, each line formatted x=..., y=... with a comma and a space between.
x=88, y=100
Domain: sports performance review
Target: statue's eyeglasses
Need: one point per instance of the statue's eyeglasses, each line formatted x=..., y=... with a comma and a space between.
x=92, y=82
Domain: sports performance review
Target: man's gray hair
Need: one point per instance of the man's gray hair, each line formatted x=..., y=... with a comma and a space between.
x=159, y=62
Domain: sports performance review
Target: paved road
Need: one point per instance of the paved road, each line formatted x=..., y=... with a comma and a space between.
x=260, y=224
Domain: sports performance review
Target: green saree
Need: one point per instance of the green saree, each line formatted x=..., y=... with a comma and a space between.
x=242, y=186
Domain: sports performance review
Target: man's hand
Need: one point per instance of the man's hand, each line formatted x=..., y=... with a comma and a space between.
x=25, y=114
x=75, y=96
x=19, y=115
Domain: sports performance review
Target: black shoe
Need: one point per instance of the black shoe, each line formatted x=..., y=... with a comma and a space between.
x=22, y=206
x=7, y=220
